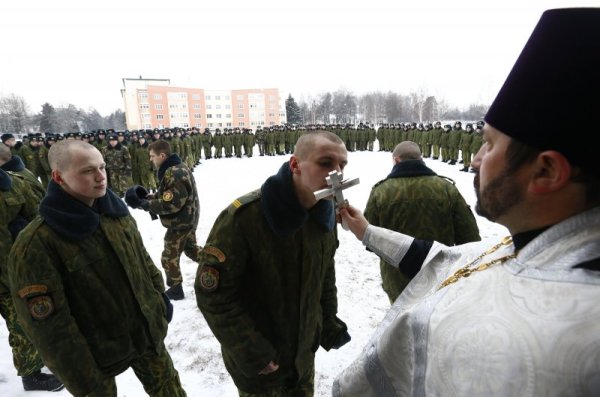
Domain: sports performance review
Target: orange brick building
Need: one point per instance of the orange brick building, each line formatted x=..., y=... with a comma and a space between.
x=154, y=103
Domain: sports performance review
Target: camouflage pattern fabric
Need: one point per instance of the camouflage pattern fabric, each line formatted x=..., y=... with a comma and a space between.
x=176, y=243
x=425, y=207
x=157, y=374
x=58, y=286
x=118, y=168
x=266, y=297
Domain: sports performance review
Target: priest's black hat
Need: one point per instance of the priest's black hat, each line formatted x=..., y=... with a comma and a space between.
x=553, y=90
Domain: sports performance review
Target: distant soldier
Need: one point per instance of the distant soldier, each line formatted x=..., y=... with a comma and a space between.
x=248, y=142
x=118, y=166
x=206, y=141
x=14, y=165
x=176, y=203
x=466, y=139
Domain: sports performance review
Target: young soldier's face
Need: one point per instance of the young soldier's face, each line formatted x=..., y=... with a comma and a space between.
x=85, y=176
x=316, y=165
x=157, y=158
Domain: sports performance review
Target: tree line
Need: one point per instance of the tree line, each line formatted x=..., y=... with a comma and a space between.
x=342, y=106
x=15, y=117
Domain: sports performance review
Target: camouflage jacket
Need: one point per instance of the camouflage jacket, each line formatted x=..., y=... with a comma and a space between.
x=85, y=289
x=118, y=158
x=266, y=285
x=414, y=200
x=16, y=168
x=176, y=201
x=17, y=207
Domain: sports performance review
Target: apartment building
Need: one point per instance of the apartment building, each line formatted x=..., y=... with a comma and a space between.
x=155, y=103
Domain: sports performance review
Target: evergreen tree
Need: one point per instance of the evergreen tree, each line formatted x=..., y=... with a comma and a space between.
x=294, y=116
x=48, y=119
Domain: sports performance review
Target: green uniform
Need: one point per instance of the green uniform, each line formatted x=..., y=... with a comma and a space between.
x=176, y=203
x=89, y=296
x=266, y=287
x=17, y=204
x=414, y=200
x=118, y=168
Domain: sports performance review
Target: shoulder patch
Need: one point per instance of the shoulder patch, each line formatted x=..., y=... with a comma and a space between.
x=40, y=307
x=245, y=199
x=167, y=196
x=214, y=251
x=448, y=179
x=208, y=278
x=32, y=290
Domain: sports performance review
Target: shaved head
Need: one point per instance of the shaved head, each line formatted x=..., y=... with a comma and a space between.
x=61, y=153
x=306, y=142
x=407, y=150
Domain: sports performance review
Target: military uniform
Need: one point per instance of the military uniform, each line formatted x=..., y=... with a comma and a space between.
x=118, y=168
x=17, y=207
x=266, y=287
x=176, y=203
x=414, y=200
x=59, y=269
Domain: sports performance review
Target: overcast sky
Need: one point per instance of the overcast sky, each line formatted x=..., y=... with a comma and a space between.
x=78, y=51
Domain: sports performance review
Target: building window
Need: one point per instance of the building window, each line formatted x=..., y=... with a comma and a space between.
x=196, y=97
x=271, y=114
x=208, y=98
x=196, y=106
x=217, y=106
x=227, y=106
x=210, y=125
x=158, y=106
x=157, y=97
x=240, y=105
x=144, y=106
x=146, y=115
x=198, y=125
x=143, y=95
x=160, y=116
x=227, y=97
x=209, y=116
x=228, y=116
x=240, y=97
x=241, y=124
x=147, y=126
x=217, y=97
x=197, y=116
x=218, y=115
x=240, y=115
x=228, y=124
x=209, y=106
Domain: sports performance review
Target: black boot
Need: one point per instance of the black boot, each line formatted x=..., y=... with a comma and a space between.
x=41, y=381
x=175, y=293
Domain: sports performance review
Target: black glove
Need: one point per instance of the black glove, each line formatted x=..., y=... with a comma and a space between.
x=135, y=195
x=169, y=305
x=335, y=333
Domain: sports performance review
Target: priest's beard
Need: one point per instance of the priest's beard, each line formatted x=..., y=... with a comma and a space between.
x=498, y=197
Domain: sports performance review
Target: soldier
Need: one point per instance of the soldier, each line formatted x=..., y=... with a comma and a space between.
x=85, y=289
x=176, y=203
x=248, y=142
x=266, y=280
x=118, y=166
x=206, y=141
x=15, y=166
x=261, y=140
x=466, y=139
x=43, y=155
x=17, y=207
x=416, y=201
x=218, y=142
x=436, y=135
x=454, y=142
x=144, y=169
x=21, y=149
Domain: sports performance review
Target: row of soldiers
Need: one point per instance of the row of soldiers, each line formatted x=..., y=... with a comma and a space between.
x=435, y=141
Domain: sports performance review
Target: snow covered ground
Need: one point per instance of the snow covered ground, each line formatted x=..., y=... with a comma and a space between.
x=195, y=351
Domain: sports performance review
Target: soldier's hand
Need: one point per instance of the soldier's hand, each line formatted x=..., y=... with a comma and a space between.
x=270, y=368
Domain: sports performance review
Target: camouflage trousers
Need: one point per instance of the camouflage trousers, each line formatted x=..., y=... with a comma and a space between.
x=466, y=157
x=177, y=242
x=119, y=182
x=25, y=356
x=157, y=374
x=305, y=387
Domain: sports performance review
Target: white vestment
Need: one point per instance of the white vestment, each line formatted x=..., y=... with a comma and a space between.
x=528, y=327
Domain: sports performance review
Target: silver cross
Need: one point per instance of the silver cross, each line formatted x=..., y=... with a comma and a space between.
x=337, y=186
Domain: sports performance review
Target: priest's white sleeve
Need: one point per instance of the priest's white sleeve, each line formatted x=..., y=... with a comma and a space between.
x=391, y=246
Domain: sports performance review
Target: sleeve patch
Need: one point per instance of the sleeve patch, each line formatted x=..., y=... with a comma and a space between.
x=167, y=196
x=40, y=307
x=214, y=251
x=209, y=278
x=32, y=290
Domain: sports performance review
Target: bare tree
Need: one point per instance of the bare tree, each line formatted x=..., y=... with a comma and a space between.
x=14, y=114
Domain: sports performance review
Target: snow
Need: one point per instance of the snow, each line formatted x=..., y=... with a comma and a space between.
x=195, y=351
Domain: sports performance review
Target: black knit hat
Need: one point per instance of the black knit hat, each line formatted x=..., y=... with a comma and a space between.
x=553, y=90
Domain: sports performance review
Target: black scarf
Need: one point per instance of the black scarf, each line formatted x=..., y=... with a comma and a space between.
x=5, y=181
x=410, y=168
x=72, y=219
x=172, y=160
x=284, y=212
x=14, y=164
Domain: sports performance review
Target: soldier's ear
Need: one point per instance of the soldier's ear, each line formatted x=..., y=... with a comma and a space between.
x=294, y=165
x=56, y=177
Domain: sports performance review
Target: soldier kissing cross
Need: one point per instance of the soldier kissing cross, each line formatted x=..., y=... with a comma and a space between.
x=337, y=186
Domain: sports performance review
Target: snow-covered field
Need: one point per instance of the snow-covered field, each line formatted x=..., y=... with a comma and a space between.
x=195, y=352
